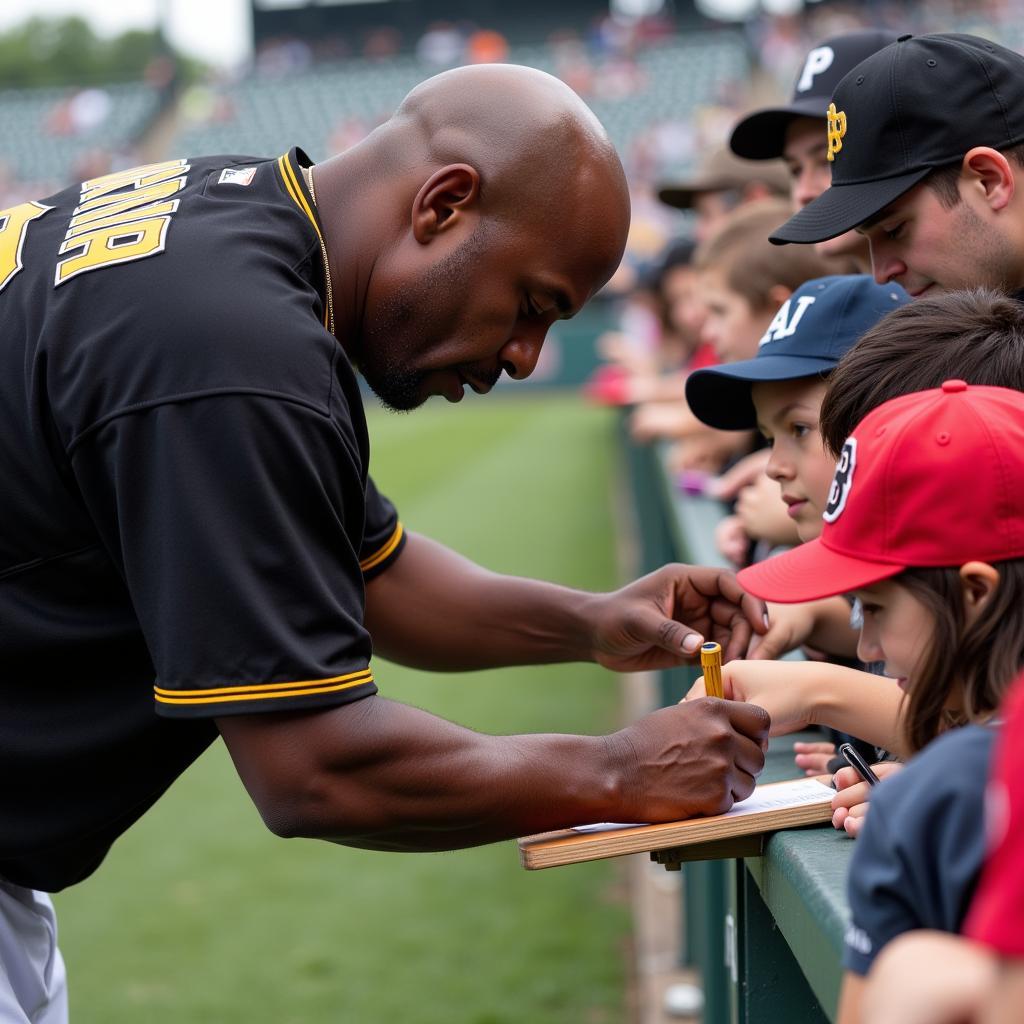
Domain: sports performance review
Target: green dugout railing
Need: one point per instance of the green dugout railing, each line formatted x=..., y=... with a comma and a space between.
x=764, y=932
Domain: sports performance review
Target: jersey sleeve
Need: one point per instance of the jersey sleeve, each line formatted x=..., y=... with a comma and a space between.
x=383, y=536
x=919, y=855
x=236, y=521
x=997, y=913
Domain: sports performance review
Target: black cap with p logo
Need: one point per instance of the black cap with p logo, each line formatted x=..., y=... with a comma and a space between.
x=918, y=104
x=761, y=135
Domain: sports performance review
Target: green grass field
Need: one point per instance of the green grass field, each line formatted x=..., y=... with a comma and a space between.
x=199, y=914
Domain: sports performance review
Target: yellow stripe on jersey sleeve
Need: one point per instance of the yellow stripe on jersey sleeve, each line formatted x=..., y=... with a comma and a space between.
x=372, y=561
x=263, y=691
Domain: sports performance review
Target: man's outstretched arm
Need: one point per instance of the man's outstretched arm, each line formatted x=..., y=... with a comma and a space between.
x=383, y=775
x=434, y=609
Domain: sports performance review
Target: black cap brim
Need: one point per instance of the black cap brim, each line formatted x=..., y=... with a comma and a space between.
x=762, y=134
x=720, y=395
x=842, y=207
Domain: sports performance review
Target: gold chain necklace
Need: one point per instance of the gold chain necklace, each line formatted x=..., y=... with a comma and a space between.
x=308, y=171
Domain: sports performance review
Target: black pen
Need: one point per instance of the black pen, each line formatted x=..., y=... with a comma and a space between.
x=849, y=754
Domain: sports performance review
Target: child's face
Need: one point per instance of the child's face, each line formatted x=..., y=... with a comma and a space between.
x=897, y=629
x=787, y=414
x=680, y=292
x=731, y=326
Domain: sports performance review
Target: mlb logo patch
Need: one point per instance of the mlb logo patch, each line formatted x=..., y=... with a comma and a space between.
x=237, y=176
x=841, y=482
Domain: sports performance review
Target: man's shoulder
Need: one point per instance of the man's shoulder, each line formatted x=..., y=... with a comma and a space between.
x=181, y=278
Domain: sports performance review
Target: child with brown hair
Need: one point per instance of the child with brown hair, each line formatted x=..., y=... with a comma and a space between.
x=742, y=280
x=745, y=279
x=976, y=336
x=924, y=528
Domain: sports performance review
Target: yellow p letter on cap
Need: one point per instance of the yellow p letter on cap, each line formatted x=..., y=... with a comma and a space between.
x=836, y=130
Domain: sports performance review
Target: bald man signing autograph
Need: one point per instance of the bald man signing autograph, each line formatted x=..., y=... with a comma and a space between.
x=195, y=548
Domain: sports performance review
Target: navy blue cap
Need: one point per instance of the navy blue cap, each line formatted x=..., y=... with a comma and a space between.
x=761, y=135
x=811, y=332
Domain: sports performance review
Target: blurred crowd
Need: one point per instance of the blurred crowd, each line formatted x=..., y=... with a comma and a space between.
x=831, y=344
x=601, y=61
x=700, y=282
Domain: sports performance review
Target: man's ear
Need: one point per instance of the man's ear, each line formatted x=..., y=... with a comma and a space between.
x=989, y=169
x=980, y=581
x=443, y=201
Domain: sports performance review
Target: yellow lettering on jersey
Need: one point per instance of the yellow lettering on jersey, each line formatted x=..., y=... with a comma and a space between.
x=127, y=217
x=121, y=217
x=13, y=227
x=117, y=244
x=126, y=202
x=137, y=177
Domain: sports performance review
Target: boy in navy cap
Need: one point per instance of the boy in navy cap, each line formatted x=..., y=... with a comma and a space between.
x=793, y=130
x=809, y=334
x=780, y=392
x=926, y=143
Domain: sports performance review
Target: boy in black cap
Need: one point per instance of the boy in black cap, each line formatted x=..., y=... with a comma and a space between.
x=793, y=131
x=925, y=140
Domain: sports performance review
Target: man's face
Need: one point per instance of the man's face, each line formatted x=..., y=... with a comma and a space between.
x=475, y=304
x=930, y=248
x=805, y=152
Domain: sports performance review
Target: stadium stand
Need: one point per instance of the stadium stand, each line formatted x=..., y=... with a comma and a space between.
x=47, y=133
x=266, y=114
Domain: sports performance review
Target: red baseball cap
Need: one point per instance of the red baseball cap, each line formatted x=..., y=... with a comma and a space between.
x=933, y=478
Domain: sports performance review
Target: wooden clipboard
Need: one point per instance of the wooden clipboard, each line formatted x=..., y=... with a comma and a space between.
x=566, y=846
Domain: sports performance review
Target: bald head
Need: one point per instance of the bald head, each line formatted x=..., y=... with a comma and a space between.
x=490, y=205
x=525, y=131
x=504, y=107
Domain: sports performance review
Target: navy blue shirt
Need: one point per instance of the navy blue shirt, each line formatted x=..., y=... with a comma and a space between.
x=922, y=847
x=187, y=517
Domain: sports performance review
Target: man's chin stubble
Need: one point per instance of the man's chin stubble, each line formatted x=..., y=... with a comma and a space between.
x=398, y=399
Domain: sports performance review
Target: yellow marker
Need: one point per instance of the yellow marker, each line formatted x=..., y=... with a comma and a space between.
x=711, y=663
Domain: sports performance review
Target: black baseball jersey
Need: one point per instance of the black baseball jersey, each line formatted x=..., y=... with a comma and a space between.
x=187, y=520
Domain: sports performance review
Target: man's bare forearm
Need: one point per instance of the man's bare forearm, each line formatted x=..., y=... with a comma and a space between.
x=389, y=776
x=436, y=610
x=385, y=775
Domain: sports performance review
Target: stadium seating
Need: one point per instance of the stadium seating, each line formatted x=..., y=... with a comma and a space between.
x=43, y=142
x=267, y=114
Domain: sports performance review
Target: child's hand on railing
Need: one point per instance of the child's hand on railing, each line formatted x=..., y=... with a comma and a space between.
x=850, y=804
x=813, y=758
